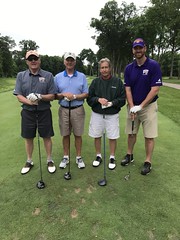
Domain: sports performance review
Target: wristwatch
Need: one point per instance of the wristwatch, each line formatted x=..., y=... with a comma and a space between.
x=74, y=96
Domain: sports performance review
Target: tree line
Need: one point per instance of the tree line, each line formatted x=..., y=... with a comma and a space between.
x=115, y=30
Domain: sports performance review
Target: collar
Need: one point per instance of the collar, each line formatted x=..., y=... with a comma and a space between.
x=144, y=64
x=110, y=76
x=37, y=74
x=74, y=74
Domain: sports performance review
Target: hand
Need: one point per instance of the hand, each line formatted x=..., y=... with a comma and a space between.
x=67, y=99
x=109, y=104
x=32, y=97
x=136, y=109
x=38, y=96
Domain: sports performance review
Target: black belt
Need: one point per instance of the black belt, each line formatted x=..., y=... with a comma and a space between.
x=72, y=107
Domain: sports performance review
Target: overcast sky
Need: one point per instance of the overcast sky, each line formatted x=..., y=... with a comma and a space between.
x=57, y=26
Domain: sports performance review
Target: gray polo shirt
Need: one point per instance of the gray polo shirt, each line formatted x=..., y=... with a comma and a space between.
x=42, y=82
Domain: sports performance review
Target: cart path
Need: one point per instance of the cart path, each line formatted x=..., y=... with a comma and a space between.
x=173, y=85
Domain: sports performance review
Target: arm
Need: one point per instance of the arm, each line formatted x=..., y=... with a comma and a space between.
x=154, y=91
x=92, y=99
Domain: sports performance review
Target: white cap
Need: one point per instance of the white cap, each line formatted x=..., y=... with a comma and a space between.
x=69, y=55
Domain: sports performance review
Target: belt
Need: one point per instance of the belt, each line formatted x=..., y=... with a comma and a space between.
x=72, y=107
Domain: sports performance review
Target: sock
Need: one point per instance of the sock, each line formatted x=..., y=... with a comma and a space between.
x=49, y=160
x=78, y=157
x=112, y=156
x=99, y=155
x=66, y=156
x=29, y=160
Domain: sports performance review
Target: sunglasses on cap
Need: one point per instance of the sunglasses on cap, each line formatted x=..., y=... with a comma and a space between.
x=32, y=57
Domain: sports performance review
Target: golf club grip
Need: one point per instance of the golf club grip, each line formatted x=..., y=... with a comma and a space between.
x=132, y=125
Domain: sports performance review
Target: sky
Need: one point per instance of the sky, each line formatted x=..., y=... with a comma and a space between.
x=57, y=26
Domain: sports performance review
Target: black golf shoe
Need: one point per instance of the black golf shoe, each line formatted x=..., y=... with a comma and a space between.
x=146, y=168
x=127, y=159
x=97, y=162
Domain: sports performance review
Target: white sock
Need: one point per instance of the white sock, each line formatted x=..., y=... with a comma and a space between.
x=78, y=157
x=99, y=155
x=112, y=156
x=66, y=156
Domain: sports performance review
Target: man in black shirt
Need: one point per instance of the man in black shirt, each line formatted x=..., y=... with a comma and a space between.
x=106, y=97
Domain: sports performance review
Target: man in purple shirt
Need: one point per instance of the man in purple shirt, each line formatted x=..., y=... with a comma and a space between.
x=142, y=79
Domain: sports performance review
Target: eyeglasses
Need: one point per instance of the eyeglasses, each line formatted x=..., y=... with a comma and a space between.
x=31, y=58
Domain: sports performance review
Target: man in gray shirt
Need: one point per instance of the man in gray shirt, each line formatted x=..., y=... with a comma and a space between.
x=35, y=89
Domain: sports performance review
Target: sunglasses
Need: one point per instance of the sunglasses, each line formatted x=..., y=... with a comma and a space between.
x=31, y=58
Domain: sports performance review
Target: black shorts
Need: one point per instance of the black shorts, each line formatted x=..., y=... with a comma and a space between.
x=31, y=120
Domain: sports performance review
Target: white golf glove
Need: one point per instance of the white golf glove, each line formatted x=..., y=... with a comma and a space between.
x=109, y=105
x=66, y=99
x=34, y=97
x=38, y=96
x=135, y=109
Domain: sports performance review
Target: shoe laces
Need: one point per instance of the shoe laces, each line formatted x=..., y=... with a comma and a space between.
x=79, y=160
x=111, y=160
x=64, y=160
x=51, y=164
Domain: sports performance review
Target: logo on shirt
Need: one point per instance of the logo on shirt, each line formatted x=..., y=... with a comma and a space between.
x=42, y=79
x=113, y=86
x=158, y=81
x=145, y=72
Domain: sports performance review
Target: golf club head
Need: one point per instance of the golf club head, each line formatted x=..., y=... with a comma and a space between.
x=102, y=182
x=67, y=176
x=40, y=184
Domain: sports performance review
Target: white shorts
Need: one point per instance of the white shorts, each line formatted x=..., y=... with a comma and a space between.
x=100, y=123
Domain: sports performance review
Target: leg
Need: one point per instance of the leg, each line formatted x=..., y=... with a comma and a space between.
x=149, y=147
x=78, y=145
x=48, y=147
x=131, y=143
x=112, y=146
x=97, y=144
x=29, y=145
x=129, y=156
x=66, y=142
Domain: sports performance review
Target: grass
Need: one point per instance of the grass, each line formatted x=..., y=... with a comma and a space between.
x=143, y=208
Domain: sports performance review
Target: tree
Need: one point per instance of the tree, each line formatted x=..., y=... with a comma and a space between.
x=90, y=57
x=6, y=63
x=113, y=36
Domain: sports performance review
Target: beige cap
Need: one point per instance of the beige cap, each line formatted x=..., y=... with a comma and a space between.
x=32, y=52
x=69, y=55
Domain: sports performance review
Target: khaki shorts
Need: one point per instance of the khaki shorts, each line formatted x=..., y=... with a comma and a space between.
x=149, y=119
x=77, y=119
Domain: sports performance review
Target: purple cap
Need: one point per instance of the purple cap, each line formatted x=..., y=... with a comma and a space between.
x=138, y=42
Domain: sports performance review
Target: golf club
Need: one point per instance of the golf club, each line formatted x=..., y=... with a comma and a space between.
x=132, y=129
x=67, y=175
x=40, y=184
x=103, y=181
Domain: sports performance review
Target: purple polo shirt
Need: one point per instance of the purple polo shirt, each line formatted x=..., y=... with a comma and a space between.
x=142, y=78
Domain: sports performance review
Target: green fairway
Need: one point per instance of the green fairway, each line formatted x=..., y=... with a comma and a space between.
x=142, y=208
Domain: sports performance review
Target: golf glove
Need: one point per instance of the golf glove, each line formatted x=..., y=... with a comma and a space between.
x=34, y=97
x=109, y=105
x=135, y=109
x=38, y=96
x=66, y=99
